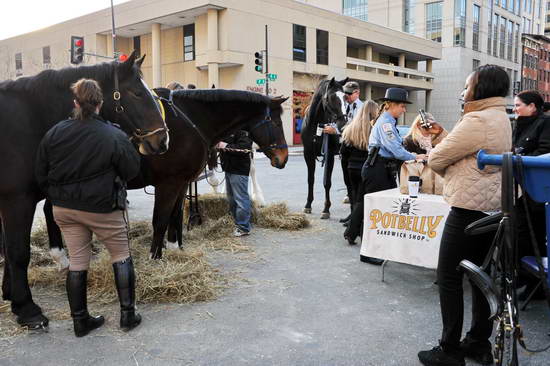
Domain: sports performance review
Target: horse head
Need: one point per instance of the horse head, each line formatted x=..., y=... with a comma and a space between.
x=333, y=102
x=130, y=103
x=269, y=134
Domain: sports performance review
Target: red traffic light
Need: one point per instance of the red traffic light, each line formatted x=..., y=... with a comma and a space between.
x=123, y=57
x=78, y=43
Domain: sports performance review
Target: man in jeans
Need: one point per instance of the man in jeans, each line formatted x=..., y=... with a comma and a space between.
x=235, y=157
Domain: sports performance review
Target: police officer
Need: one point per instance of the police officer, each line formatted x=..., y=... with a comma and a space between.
x=386, y=151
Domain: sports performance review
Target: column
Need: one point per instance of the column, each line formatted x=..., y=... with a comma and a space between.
x=369, y=52
x=213, y=67
x=402, y=63
x=428, y=101
x=156, y=63
x=368, y=91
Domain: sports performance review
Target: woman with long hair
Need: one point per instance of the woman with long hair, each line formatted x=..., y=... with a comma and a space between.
x=471, y=193
x=355, y=149
x=422, y=139
x=82, y=166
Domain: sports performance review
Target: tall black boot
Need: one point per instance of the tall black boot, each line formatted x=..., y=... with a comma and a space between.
x=76, y=293
x=125, y=279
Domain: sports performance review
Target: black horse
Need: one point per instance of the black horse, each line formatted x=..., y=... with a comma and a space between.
x=326, y=107
x=198, y=119
x=29, y=107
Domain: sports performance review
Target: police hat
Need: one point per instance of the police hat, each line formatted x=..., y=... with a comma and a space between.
x=350, y=87
x=397, y=95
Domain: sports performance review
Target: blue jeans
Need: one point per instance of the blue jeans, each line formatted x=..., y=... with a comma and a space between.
x=240, y=205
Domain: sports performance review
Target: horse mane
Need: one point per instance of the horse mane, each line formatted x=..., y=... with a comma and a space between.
x=62, y=78
x=221, y=95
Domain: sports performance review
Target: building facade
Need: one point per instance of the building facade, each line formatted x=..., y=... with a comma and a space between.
x=471, y=32
x=212, y=42
x=536, y=65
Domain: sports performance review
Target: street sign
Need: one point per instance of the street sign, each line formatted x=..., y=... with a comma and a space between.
x=260, y=81
x=272, y=77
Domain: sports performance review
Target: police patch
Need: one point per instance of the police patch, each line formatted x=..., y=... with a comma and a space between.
x=387, y=127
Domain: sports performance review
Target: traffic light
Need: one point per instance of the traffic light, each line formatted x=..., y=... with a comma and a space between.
x=259, y=61
x=77, y=50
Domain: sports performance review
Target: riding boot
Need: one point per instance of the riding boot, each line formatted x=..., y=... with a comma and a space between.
x=76, y=293
x=125, y=279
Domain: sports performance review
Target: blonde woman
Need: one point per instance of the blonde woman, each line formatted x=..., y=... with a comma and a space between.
x=422, y=140
x=355, y=146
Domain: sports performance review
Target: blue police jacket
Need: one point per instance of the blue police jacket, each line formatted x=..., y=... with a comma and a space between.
x=385, y=134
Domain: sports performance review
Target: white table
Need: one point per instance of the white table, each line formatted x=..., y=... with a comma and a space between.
x=403, y=229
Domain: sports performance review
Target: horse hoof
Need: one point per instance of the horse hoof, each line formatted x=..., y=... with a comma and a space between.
x=307, y=210
x=38, y=323
x=59, y=256
x=172, y=245
x=325, y=215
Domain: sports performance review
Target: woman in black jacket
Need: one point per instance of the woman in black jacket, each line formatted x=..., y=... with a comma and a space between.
x=355, y=146
x=531, y=137
x=82, y=165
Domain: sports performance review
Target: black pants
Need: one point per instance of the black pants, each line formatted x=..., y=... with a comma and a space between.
x=538, y=219
x=356, y=185
x=374, y=179
x=347, y=180
x=456, y=246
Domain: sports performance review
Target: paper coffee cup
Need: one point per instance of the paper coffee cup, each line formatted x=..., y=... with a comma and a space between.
x=319, y=131
x=414, y=186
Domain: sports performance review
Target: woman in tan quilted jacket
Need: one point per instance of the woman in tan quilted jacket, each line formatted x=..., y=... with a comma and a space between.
x=472, y=194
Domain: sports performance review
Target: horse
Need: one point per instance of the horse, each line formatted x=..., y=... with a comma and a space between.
x=198, y=119
x=29, y=107
x=327, y=106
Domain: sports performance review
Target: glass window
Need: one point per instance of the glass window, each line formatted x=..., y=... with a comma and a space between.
x=490, y=35
x=475, y=64
x=518, y=43
x=189, y=42
x=18, y=64
x=408, y=16
x=475, y=30
x=299, y=43
x=434, y=16
x=46, y=58
x=504, y=4
x=356, y=8
x=502, y=37
x=495, y=33
x=322, y=47
x=137, y=45
x=510, y=38
x=460, y=23
x=518, y=6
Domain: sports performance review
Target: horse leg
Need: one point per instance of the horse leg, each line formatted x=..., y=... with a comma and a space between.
x=165, y=199
x=55, y=238
x=310, y=162
x=327, y=183
x=175, y=227
x=17, y=217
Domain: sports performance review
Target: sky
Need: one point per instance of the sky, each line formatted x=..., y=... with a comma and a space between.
x=22, y=16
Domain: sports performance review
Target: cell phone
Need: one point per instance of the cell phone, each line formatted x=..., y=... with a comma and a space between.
x=424, y=122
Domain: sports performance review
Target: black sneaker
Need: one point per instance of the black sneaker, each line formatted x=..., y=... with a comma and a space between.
x=438, y=357
x=478, y=351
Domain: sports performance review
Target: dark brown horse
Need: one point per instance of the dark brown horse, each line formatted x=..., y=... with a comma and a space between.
x=198, y=119
x=326, y=107
x=29, y=107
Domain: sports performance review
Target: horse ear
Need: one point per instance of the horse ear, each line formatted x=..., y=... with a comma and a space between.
x=129, y=63
x=343, y=82
x=139, y=61
x=213, y=86
x=331, y=82
x=279, y=100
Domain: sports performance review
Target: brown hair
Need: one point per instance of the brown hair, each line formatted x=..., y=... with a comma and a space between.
x=88, y=95
x=358, y=131
x=174, y=85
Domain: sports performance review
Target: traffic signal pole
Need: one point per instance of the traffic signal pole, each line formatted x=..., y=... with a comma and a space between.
x=113, y=33
x=266, y=64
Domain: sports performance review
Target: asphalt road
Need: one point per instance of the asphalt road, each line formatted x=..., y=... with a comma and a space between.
x=303, y=299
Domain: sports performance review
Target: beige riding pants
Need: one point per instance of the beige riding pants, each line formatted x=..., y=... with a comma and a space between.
x=77, y=228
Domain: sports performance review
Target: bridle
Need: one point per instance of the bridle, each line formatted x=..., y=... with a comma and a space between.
x=138, y=134
x=333, y=115
x=266, y=120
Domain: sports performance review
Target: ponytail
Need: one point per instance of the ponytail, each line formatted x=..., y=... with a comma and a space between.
x=383, y=107
x=88, y=95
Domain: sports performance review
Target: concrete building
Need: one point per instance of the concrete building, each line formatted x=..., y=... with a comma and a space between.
x=471, y=32
x=212, y=42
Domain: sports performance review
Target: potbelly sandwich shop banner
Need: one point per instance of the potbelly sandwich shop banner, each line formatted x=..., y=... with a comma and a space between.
x=403, y=229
